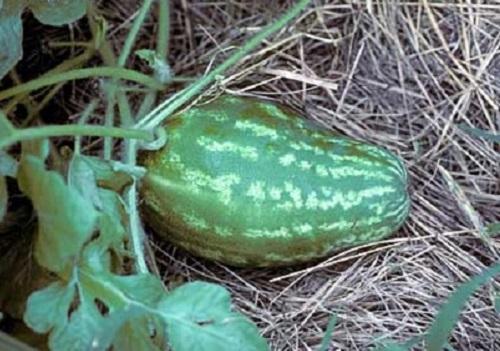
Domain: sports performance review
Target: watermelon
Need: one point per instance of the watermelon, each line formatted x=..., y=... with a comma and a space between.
x=251, y=183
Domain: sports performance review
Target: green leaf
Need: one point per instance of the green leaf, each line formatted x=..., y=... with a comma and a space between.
x=81, y=178
x=112, y=222
x=127, y=329
x=490, y=136
x=325, y=342
x=3, y=198
x=162, y=70
x=66, y=219
x=72, y=320
x=145, y=288
x=48, y=308
x=131, y=300
x=6, y=128
x=493, y=229
x=80, y=329
x=8, y=165
x=11, y=37
x=199, y=316
x=82, y=174
x=134, y=335
x=108, y=174
x=58, y=12
x=448, y=315
x=96, y=256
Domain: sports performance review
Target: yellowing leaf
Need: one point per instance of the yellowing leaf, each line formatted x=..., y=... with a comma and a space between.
x=66, y=219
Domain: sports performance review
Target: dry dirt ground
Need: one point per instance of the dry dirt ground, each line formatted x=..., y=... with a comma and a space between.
x=401, y=74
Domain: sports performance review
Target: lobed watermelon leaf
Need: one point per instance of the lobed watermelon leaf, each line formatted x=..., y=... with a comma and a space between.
x=199, y=316
x=47, y=308
x=60, y=237
x=92, y=306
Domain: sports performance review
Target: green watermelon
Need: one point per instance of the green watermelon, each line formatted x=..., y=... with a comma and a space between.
x=250, y=183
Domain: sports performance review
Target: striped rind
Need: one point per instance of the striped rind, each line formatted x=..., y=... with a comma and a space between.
x=251, y=184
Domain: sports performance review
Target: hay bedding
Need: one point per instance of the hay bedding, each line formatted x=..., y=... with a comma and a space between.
x=398, y=74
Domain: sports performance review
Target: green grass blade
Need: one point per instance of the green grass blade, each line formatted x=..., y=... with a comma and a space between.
x=490, y=136
x=325, y=342
x=448, y=315
x=392, y=347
